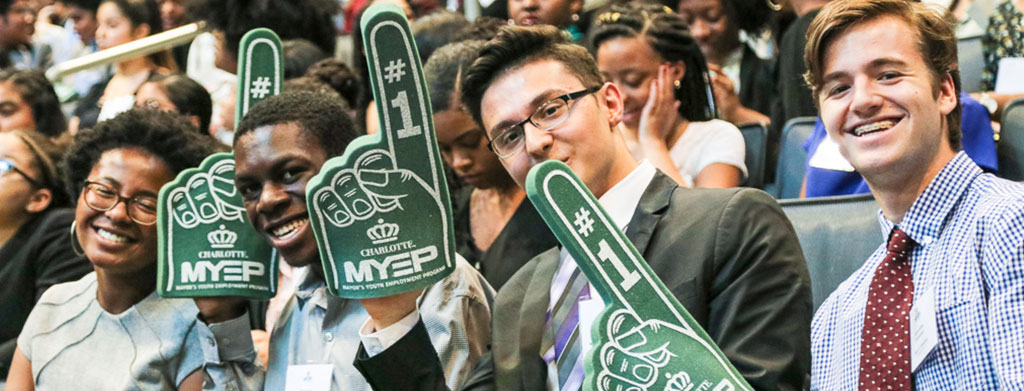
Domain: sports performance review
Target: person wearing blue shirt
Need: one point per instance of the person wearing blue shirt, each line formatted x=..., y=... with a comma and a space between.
x=822, y=179
x=938, y=306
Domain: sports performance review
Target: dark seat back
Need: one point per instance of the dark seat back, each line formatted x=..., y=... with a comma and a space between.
x=755, y=136
x=837, y=234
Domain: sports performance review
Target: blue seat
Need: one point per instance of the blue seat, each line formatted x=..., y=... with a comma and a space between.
x=837, y=235
x=789, y=174
x=1010, y=148
x=755, y=136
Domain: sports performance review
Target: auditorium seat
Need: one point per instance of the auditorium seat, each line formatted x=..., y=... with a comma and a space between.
x=1010, y=149
x=755, y=136
x=789, y=174
x=837, y=235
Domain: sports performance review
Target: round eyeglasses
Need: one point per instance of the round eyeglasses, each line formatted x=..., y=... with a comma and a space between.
x=102, y=197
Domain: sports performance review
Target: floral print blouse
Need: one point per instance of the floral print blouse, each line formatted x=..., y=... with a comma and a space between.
x=1003, y=38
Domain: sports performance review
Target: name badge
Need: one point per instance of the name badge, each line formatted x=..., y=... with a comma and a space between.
x=924, y=331
x=313, y=377
x=827, y=157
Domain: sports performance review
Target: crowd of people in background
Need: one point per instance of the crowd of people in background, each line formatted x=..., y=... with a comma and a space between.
x=648, y=100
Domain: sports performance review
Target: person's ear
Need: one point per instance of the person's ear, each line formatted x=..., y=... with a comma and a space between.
x=947, y=94
x=39, y=201
x=612, y=98
x=676, y=72
x=140, y=31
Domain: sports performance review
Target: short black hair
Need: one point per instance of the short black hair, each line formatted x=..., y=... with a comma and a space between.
x=188, y=96
x=38, y=94
x=435, y=30
x=516, y=46
x=483, y=28
x=311, y=20
x=299, y=55
x=168, y=136
x=445, y=70
x=669, y=37
x=88, y=5
x=323, y=116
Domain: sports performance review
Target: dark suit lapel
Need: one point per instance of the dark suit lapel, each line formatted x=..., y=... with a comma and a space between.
x=532, y=317
x=653, y=204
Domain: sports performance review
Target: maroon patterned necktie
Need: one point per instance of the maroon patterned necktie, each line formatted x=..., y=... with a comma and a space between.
x=885, y=337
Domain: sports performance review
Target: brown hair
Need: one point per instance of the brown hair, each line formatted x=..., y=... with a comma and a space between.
x=936, y=42
x=47, y=153
x=515, y=47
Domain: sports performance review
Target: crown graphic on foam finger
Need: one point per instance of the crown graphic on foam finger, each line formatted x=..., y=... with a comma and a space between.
x=382, y=232
x=222, y=238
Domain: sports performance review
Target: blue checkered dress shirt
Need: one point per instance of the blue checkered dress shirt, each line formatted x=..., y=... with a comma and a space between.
x=969, y=227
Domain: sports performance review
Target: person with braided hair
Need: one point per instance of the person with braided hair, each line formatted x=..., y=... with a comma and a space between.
x=669, y=112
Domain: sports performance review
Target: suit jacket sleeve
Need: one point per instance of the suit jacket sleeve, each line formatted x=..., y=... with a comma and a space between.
x=760, y=309
x=412, y=364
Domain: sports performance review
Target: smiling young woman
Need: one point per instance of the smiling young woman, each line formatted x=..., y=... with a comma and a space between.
x=115, y=171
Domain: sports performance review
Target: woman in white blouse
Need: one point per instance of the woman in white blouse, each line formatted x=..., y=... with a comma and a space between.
x=648, y=52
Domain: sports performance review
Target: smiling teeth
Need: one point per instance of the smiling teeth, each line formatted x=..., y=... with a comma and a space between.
x=111, y=236
x=869, y=128
x=289, y=228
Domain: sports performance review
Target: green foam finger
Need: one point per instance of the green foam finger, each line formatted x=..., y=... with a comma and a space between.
x=380, y=211
x=642, y=321
x=400, y=93
x=260, y=69
x=206, y=244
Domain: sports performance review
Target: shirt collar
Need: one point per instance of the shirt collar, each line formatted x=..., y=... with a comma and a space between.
x=309, y=287
x=621, y=200
x=928, y=214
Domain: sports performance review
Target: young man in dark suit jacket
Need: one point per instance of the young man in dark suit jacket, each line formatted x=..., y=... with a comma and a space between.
x=729, y=256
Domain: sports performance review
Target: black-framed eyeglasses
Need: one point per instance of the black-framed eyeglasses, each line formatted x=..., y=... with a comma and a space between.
x=550, y=115
x=102, y=197
x=7, y=166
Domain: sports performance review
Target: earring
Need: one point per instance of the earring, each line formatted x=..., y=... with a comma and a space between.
x=774, y=6
x=575, y=17
x=511, y=22
x=678, y=84
x=75, y=246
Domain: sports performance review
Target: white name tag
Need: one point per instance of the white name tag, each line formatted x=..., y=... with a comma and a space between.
x=924, y=331
x=313, y=377
x=827, y=157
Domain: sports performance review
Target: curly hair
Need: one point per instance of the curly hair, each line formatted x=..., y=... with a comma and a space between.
x=669, y=36
x=321, y=115
x=515, y=47
x=168, y=136
x=339, y=76
x=38, y=94
x=290, y=19
x=445, y=69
